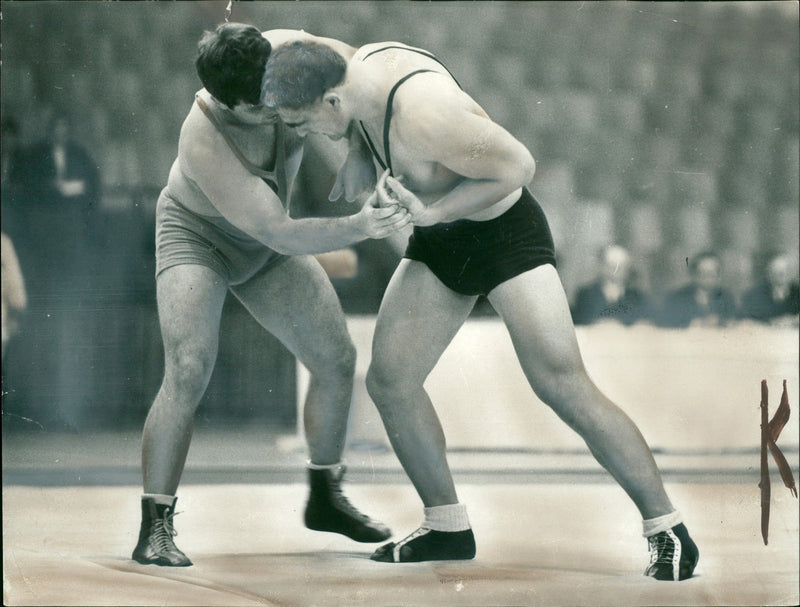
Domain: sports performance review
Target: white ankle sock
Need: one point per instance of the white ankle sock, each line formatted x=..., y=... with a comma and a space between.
x=159, y=498
x=450, y=517
x=312, y=466
x=651, y=526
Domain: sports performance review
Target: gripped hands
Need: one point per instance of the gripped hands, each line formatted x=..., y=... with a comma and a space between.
x=380, y=221
x=390, y=190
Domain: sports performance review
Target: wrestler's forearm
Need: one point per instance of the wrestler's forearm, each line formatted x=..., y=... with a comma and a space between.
x=467, y=198
x=313, y=235
x=319, y=234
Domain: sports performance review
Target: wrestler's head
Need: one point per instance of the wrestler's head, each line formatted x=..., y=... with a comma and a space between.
x=230, y=62
x=302, y=82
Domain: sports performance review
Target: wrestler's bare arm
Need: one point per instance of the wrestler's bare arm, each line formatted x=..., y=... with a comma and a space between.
x=249, y=204
x=446, y=128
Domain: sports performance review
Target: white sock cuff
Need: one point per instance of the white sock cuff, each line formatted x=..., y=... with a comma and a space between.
x=450, y=517
x=312, y=466
x=651, y=526
x=159, y=498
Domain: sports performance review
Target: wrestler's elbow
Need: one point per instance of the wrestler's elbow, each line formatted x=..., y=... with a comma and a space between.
x=286, y=245
x=279, y=238
x=526, y=168
x=517, y=174
x=517, y=168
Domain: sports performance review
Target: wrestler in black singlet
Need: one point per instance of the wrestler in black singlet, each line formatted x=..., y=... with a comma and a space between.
x=473, y=257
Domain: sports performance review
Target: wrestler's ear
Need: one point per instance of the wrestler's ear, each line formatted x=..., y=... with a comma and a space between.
x=332, y=98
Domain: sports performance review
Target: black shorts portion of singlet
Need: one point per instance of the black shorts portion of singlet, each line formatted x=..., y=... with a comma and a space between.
x=473, y=257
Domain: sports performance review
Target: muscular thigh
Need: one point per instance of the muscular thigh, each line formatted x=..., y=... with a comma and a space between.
x=418, y=318
x=534, y=307
x=296, y=302
x=190, y=299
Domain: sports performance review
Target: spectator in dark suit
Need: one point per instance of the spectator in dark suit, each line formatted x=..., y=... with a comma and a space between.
x=776, y=298
x=702, y=302
x=65, y=193
x=611, y=296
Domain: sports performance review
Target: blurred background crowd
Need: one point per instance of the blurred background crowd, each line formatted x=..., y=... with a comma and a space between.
x=665, y=135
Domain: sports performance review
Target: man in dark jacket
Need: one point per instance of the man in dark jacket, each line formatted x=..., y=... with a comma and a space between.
x=611, y=296
x=701, y=302
x=776, y=296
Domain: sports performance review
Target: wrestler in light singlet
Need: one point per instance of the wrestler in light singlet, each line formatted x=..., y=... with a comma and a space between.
x=189, y=228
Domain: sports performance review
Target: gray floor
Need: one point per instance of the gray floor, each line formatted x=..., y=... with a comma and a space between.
x=551, y=529
x=266, y=456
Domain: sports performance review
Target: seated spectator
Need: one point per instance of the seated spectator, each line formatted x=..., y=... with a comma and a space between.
x=702, y=302
x=776, y=297
x=611, y=296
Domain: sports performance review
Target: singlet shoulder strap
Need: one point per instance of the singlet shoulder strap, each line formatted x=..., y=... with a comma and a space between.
x=259, y=172
x=372, y=147
x=387, y=121
x=413, y=50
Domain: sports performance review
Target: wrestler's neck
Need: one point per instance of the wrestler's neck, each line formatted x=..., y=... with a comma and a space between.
x=366, y=101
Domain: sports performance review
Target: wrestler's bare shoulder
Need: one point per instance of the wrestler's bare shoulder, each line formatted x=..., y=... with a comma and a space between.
x=371, y=47
x=429, y=105
x=393, y=63
x=198, y=139
x=201, y=148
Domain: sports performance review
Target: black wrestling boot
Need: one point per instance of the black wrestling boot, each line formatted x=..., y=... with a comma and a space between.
x=329, y=510
x=155, y=545
x=673, y=555
x=428, y=545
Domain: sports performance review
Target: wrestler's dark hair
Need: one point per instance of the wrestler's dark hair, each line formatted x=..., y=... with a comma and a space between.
x=300, y=73
x=230, y=62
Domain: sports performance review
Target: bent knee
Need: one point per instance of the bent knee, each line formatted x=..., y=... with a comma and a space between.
x=334, y=362
x=188, y=373
x=377, y=384
x=566, y=390
x=386, y=383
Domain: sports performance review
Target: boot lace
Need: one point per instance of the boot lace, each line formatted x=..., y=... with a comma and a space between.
x=343, y=504
x=661, y=549
x=163, y=531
